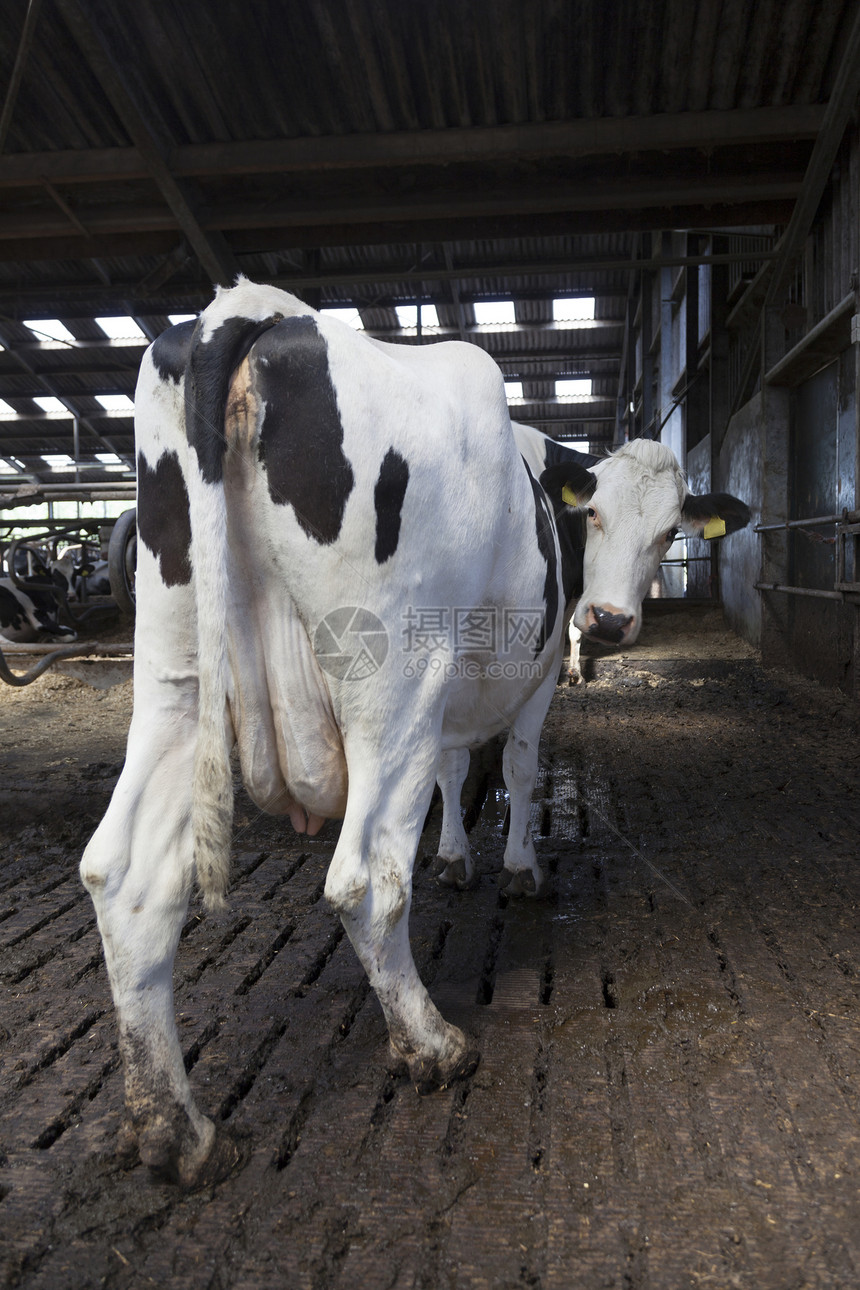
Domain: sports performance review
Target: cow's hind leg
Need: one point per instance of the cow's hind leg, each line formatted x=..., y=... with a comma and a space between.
x=574, y=667
x=454, y=865
x=370, y=884
x=138, y=870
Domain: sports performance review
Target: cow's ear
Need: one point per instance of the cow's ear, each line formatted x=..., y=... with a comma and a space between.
x=713, y=514
x=568, y=484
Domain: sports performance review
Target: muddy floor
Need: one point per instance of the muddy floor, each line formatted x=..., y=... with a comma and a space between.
x=669, y=1090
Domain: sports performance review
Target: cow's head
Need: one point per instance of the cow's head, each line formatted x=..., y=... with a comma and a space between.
x=636, y=503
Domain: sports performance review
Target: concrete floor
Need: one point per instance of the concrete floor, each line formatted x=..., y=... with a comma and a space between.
x=669, y=1088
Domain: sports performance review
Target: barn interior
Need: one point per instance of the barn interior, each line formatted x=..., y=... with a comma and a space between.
x=647, y=213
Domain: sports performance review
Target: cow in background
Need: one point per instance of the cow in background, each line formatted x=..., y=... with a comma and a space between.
x=28, y=616
x=616, y=518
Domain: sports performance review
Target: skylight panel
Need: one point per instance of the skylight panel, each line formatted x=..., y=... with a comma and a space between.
x=513, y=390
x=494, y=313
x=109, y=458
x=116, y=405
x=6, y=409
x=573, y=309
x=58, y=460
x=49, y=329
x=347, y=314
x=9, y=467
x=181, y=318
x=576, y=388
x=121, y=328
x=48, y=403
x=407, y=316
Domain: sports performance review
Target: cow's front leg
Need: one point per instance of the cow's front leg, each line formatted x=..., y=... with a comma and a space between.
x=435, y=1052
x=522, y=875
x=138, y=870
x=370, y=884
x=454, y=865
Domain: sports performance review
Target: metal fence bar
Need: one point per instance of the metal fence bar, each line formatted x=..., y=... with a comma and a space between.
x=812, y=592
x=849, y=517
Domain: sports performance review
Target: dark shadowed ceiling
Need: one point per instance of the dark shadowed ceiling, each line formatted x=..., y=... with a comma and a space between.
x=375, y=153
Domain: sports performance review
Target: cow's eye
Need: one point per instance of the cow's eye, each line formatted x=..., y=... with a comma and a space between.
x=591, y=513
x=671, y=535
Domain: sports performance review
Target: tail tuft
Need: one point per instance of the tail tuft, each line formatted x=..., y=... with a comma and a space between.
x=212, y=823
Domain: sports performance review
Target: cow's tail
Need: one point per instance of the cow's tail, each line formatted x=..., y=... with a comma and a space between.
x=212, y=790
x=209, y=372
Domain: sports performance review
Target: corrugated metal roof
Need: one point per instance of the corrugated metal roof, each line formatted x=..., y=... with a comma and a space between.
x=374, y=152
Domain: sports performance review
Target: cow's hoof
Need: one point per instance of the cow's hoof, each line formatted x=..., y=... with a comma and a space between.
x=188, y=1161
x=431, y=1075
x=229, y=1154
x=434, y=1071
x=454, y=873
x=574, y=678
x=521, y=882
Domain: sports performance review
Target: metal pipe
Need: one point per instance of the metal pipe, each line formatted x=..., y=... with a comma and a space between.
x=812, y=592
x=27, y=34
x=92, y=648
x=850, y=517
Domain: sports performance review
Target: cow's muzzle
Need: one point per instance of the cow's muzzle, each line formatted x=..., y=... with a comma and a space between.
x=607, y=624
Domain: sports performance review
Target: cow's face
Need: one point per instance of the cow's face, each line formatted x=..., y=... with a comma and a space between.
x=636, y=504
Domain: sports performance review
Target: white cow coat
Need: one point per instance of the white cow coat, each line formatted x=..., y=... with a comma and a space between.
x=228, y=653
x=346, y=569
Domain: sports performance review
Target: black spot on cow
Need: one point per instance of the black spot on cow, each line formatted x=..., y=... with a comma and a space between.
x=388, y=499
x=211, y=364
x=570, y=526
x=301, y=439
x=567, y=466
x=12, y=616
x=171, y=350
x=546, y=545
x=163, y=517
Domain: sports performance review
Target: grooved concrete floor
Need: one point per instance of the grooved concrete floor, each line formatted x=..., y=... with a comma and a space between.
x=669, y=1090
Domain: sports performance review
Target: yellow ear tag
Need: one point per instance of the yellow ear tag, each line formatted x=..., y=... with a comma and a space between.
x=569, y=496
x=714, y=528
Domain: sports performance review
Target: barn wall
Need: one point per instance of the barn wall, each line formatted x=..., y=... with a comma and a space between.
x=740, y=471
x=792, y=450
x=818, y=636
x=700, y=571
x=821, y=632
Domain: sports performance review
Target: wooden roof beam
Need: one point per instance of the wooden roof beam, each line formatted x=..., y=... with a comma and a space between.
x=571, y=139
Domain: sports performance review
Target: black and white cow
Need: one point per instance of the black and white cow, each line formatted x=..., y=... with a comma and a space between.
x=79, y=576
x=615, y=519
x=347, y=569
x=27, y=616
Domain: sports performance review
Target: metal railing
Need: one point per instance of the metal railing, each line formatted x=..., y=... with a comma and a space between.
x=846, y=590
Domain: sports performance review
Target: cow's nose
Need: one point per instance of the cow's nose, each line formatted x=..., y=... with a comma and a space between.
x=605, y=623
